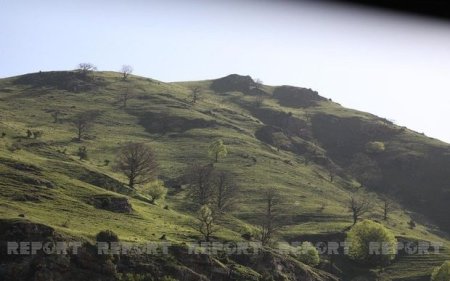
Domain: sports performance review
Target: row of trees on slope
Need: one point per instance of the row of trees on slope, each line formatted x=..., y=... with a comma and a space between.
x=85, y=68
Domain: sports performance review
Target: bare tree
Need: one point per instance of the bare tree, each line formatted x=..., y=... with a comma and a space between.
x=200, y=179
x=56, y=114
x=387, y=205
x=206, y=225
x=195, y=94
x=331, y=170
x=126, y=70
x=83, y=121
x=308, y=116
x=138, y=162
x=259, y=99
x=358, y=205
x=269, y=222
x=125, y=96
x=226, y=191
x=85, y=68
x=258, y=83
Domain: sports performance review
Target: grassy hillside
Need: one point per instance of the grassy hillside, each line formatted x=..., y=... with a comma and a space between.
x=281, y=137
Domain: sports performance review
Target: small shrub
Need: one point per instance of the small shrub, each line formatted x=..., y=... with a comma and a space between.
x=106, y=162
x=156, y=190
x=247, y=236
x=107, y=236
x=411, y=224
x=375, y=147
x=29, y=134
x=308, y=254
x=3, y=135
x=82, y=153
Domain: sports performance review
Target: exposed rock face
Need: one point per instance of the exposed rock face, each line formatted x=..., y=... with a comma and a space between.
x=232, y=83
x=296, y=97
x=162, y=123
x=24, y=230
x=103, y=181
x=112, y=203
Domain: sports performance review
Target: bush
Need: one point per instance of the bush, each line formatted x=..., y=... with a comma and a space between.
x=107, y=236
x=82, y=153
x=156, y=190
x=441, y=273
x=360, y=238
x=375, y=147
x=308, y=254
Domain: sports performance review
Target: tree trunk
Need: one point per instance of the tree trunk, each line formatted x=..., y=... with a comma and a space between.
x=131, y=182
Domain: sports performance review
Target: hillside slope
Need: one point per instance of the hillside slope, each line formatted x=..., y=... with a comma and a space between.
x=315, y=152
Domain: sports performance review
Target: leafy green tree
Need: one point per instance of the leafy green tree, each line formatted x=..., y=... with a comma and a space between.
x=441, y=273
x=308, y=254
x=217, y=149
x=206, y=225
x=156, y=190
x=371, y=243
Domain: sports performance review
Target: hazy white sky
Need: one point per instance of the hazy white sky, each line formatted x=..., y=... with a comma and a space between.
x=394, y=66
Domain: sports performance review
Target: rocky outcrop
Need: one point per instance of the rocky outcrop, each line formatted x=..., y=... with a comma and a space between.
x=296, y=97
x=233, y=83
x=111, y=203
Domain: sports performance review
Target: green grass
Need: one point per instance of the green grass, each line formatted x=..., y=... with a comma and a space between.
x=313, y=203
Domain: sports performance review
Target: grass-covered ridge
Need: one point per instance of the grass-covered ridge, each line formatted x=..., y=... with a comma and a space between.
x=283, y=143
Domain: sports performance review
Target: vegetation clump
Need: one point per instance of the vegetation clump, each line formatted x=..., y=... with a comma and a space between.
x=307, y=254
x=156, y=190
x=217, y=149
x=371, y=243
x=107, y=236
x=441, y=273
x=375, y=147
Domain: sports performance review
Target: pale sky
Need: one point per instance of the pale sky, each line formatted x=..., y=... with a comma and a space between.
x=394, y=66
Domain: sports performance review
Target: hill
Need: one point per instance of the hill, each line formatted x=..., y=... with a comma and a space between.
x=316, y=153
